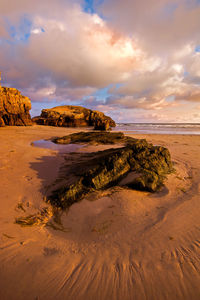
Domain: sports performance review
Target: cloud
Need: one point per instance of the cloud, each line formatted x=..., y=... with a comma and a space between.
x=71, y=47
x=143, y=51
x=194, y=65
x=157, y=23
x=82, y=50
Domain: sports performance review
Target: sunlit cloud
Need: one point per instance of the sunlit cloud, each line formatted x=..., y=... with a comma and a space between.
x=142, y=55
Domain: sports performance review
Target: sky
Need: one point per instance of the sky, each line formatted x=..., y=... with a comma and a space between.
x=134, y=60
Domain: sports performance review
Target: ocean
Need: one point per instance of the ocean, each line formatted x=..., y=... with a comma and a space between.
x=159, y=128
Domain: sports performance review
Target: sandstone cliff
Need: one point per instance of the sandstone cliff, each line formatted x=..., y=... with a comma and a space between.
x=14, y=108
x=74, y=116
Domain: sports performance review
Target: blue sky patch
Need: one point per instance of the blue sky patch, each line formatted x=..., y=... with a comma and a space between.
x=22, y=32
x=197, y=49
x=88, y=6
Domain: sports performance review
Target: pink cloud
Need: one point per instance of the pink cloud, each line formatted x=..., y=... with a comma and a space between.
x=145, y=46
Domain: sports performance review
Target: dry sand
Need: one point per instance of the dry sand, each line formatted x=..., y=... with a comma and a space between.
x=123, y=245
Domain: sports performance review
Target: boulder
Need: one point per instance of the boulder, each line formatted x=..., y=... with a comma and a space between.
x=106, y=168
x=14, y=108
x=74, y=116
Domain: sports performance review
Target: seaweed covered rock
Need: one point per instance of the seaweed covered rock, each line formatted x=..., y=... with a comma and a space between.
x=74, y=116
x=150, y=163
x=14, y=108
x=148, y=181
x=93, y=138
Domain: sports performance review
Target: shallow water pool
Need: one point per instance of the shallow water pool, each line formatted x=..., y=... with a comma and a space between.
x=48, y=144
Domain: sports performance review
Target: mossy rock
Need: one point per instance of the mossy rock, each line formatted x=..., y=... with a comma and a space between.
x=108, y=167
x=66, y=196
x=91, y=138
x=149, y=181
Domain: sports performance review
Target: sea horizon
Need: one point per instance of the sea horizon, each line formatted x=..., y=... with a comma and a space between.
x=158, y=123
x=159, y=128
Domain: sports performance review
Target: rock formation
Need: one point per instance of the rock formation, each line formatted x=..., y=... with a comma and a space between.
x=14, y=108
x=74, y=116
x=103, y=138
x=149, y=163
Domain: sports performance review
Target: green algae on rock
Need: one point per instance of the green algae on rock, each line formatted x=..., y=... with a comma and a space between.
x=92, y=138
x=150, y=163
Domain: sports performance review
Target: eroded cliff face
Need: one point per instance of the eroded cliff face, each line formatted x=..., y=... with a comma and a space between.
x=74, y=116
x=14, y=108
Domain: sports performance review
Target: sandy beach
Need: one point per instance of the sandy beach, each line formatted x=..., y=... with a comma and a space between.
x=115, y=244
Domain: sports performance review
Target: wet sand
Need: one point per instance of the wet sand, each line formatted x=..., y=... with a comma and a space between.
x=115, y=244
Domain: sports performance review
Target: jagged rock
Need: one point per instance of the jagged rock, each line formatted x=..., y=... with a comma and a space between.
x=74, y=116
x=14, y=108
x=106, y=168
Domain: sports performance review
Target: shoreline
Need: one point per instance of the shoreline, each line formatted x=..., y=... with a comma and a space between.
x=125, y=244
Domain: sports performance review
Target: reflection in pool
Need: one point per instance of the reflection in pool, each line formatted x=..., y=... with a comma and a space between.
x=58, y=147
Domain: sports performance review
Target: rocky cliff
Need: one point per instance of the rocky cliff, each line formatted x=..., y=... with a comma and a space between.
x=14, y=108
x=74, y=116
